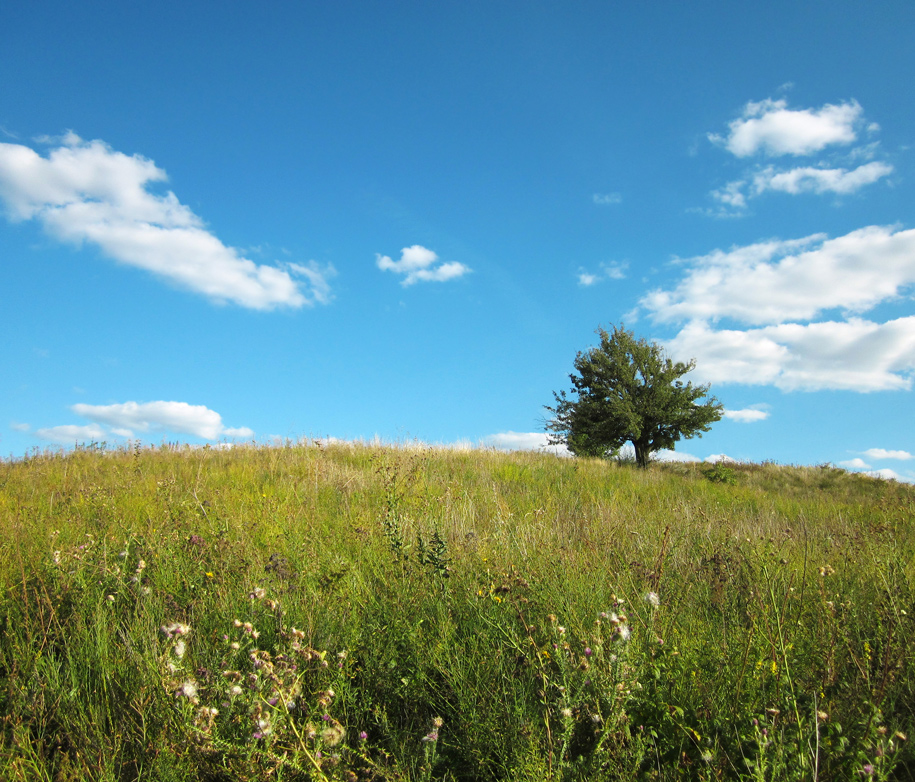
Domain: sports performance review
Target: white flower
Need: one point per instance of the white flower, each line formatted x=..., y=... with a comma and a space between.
x=652, y=599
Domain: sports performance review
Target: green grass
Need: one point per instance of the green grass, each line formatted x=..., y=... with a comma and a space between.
x=367, y=613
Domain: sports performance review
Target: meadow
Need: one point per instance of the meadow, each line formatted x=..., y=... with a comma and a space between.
x=359, y=612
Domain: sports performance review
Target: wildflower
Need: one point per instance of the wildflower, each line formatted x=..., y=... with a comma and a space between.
x=566, y=713
x=264, y=728
x=179, y=649
x=430, y=737
x=623, y=632
x=110, y=598
x=235, y=690
x=822, y=716
x=174, y=629
x=259, y=593
x=363, y=735
x=188, y=690
x=868, y=770
x=333, y=734
x=437, y=723
x=652, y=599
x=588, y=651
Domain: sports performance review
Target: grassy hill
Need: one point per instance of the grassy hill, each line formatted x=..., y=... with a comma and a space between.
x=367, y=613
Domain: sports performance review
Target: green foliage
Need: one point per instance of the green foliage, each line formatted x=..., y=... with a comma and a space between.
x=627, y=390
x=246, y=615
x=718, y=473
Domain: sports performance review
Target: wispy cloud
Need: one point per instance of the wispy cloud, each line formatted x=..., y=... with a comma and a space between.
x=747, y=415
x=608, y=271
x=177, y=417
x=418, y=264
x=881, y=453
x=70, y=434
x=84, y=191
x=607, y=199
x=522, y=441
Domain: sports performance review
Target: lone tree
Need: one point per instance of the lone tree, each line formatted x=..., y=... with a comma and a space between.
x=628, y=390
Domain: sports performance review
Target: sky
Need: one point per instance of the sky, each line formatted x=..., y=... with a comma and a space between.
x=403, y=220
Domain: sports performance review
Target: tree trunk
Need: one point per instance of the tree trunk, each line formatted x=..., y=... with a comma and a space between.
x=641, y=454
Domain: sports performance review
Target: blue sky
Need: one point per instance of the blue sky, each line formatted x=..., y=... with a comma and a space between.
x=402, y=220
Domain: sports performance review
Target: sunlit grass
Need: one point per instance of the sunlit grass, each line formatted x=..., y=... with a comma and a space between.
x=366, y=612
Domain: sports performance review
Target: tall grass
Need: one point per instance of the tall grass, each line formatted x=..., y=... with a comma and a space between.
x=377, y=613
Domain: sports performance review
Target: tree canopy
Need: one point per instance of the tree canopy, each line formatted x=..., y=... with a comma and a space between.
x=629, y=390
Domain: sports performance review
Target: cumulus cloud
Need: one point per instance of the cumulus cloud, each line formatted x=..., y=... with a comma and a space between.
x=881, y=453
x=747, y=415
x=177, y=417
x=855, y=464
x=853, y=355
x=777, y=281
x=769, y=127
x=84, y=191
x=418, y=264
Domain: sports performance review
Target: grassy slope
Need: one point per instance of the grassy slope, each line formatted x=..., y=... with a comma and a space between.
x=494, y=592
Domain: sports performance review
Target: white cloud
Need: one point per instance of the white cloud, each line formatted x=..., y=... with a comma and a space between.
x=87, y=192
x=747, y=415
x=70, y=434
x=418, y=264
x=806, y=179
x=856, y=355
x=608, y=271
x=855, y=464
x=607, y=199
x=522, y=441
x=178, y=417
x=881, y=453
x=778, y=281
x=884, y=475
x=665, y=455
x=771, y=128
x=820, y=180
x=723, y=458
x=16, y=426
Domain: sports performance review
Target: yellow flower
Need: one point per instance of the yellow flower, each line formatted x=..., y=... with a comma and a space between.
x=208, y=574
